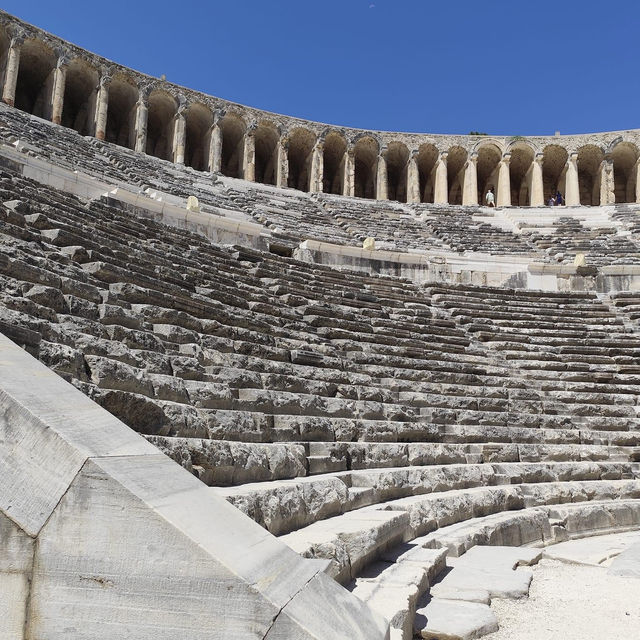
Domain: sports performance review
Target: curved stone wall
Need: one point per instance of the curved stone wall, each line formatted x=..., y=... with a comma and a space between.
x=53, y=79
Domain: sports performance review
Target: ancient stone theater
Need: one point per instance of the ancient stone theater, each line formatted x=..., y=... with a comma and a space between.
x=270, y=379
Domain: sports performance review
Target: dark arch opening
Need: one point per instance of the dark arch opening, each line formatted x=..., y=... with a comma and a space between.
x=266, y=140
x=456, y=161
x=365, y=156
x=160, y=124
x=489, y=157
x=589, y=161
x=427, y=158
x=301, y=142
x=335, y=149
x=397, y=157
x=121, y=111
x=198, y=121
x=80, y=92
x=624, y=157
x=35, y=78
x=520, y=168
x=233, y=129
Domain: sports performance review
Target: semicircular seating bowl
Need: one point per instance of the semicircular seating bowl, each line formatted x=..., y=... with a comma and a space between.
x=368, y=421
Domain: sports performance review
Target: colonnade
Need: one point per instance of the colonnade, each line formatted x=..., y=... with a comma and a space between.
x=146, y=117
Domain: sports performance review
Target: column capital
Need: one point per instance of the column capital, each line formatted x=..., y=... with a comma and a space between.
x=473, y=158
x=105, y=78
x=251, y=128
x=539, y=158
x=182, y=105
x=443, y=155
x=64, y=58
x=18, y=36
x=144, y=91
x=506, y=158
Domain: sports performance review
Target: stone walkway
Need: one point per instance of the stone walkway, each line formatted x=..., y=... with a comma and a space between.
x=576, y=597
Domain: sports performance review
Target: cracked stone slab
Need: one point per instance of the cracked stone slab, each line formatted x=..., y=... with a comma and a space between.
x=454, y=620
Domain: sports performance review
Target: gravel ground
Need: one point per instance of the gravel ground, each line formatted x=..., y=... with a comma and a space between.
x=571, y=602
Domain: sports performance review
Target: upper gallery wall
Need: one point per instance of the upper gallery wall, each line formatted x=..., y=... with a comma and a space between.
x=53, y=79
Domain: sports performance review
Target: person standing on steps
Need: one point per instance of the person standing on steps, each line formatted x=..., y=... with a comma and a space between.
x=490, y=198
x=559, y=200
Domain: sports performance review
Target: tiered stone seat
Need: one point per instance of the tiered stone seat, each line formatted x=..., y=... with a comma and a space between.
x=393, y=225
x=350, y=414
x=601, y=245
x=470, y=229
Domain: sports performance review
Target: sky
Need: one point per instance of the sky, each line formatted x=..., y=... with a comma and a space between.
x=502, y=67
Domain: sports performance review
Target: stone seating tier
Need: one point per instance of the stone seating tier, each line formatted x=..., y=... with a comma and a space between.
x=292, y=216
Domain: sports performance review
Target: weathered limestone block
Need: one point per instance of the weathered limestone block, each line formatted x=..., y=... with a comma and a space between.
x=47, y=297
x=290, y=504
x=106, y=507
x=64, y=360
x=16, y=565
x=112, y=374
x=113, y=314
x=209, y=395
x=226, y=463
x=138, y=411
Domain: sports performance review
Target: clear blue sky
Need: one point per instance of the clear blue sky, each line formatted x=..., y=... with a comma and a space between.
x=508, y=67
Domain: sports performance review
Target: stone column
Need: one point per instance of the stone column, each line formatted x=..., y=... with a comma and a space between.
x=470, y=186
x=348, y=183
x=179, y=137
x=504, y=182
x=102, y=107
x=215, y=148
x=413, y=179
x=57, y=93
x=636, y=169
x=607, y=182
x=536, y=198
x=441, y=187
x=249, y=156
x=382, y=192
x=282, y=169
x=11, y=74
x=317, y=169
x=572, y=187
x=142, y=113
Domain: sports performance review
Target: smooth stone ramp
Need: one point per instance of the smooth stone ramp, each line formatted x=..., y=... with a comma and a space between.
x=628, y=562
x=598, y=550
x=458, y=604
x=102, y=536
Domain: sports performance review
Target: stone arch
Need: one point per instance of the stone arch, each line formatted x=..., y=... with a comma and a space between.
x=624, y=156
x=365, y=158
x=520, y=173
x=456, y=162
x=301, y=143
x=489, y=156
x=121, y=111
x=198, y=121
x=80, y=93
x=35, y=78
x=397, y=158
x=334, y=158
x=554, y=162
x=160, y=124
x=590, y=159
x=426, y=161
x=233, y=130
x=266, y=138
